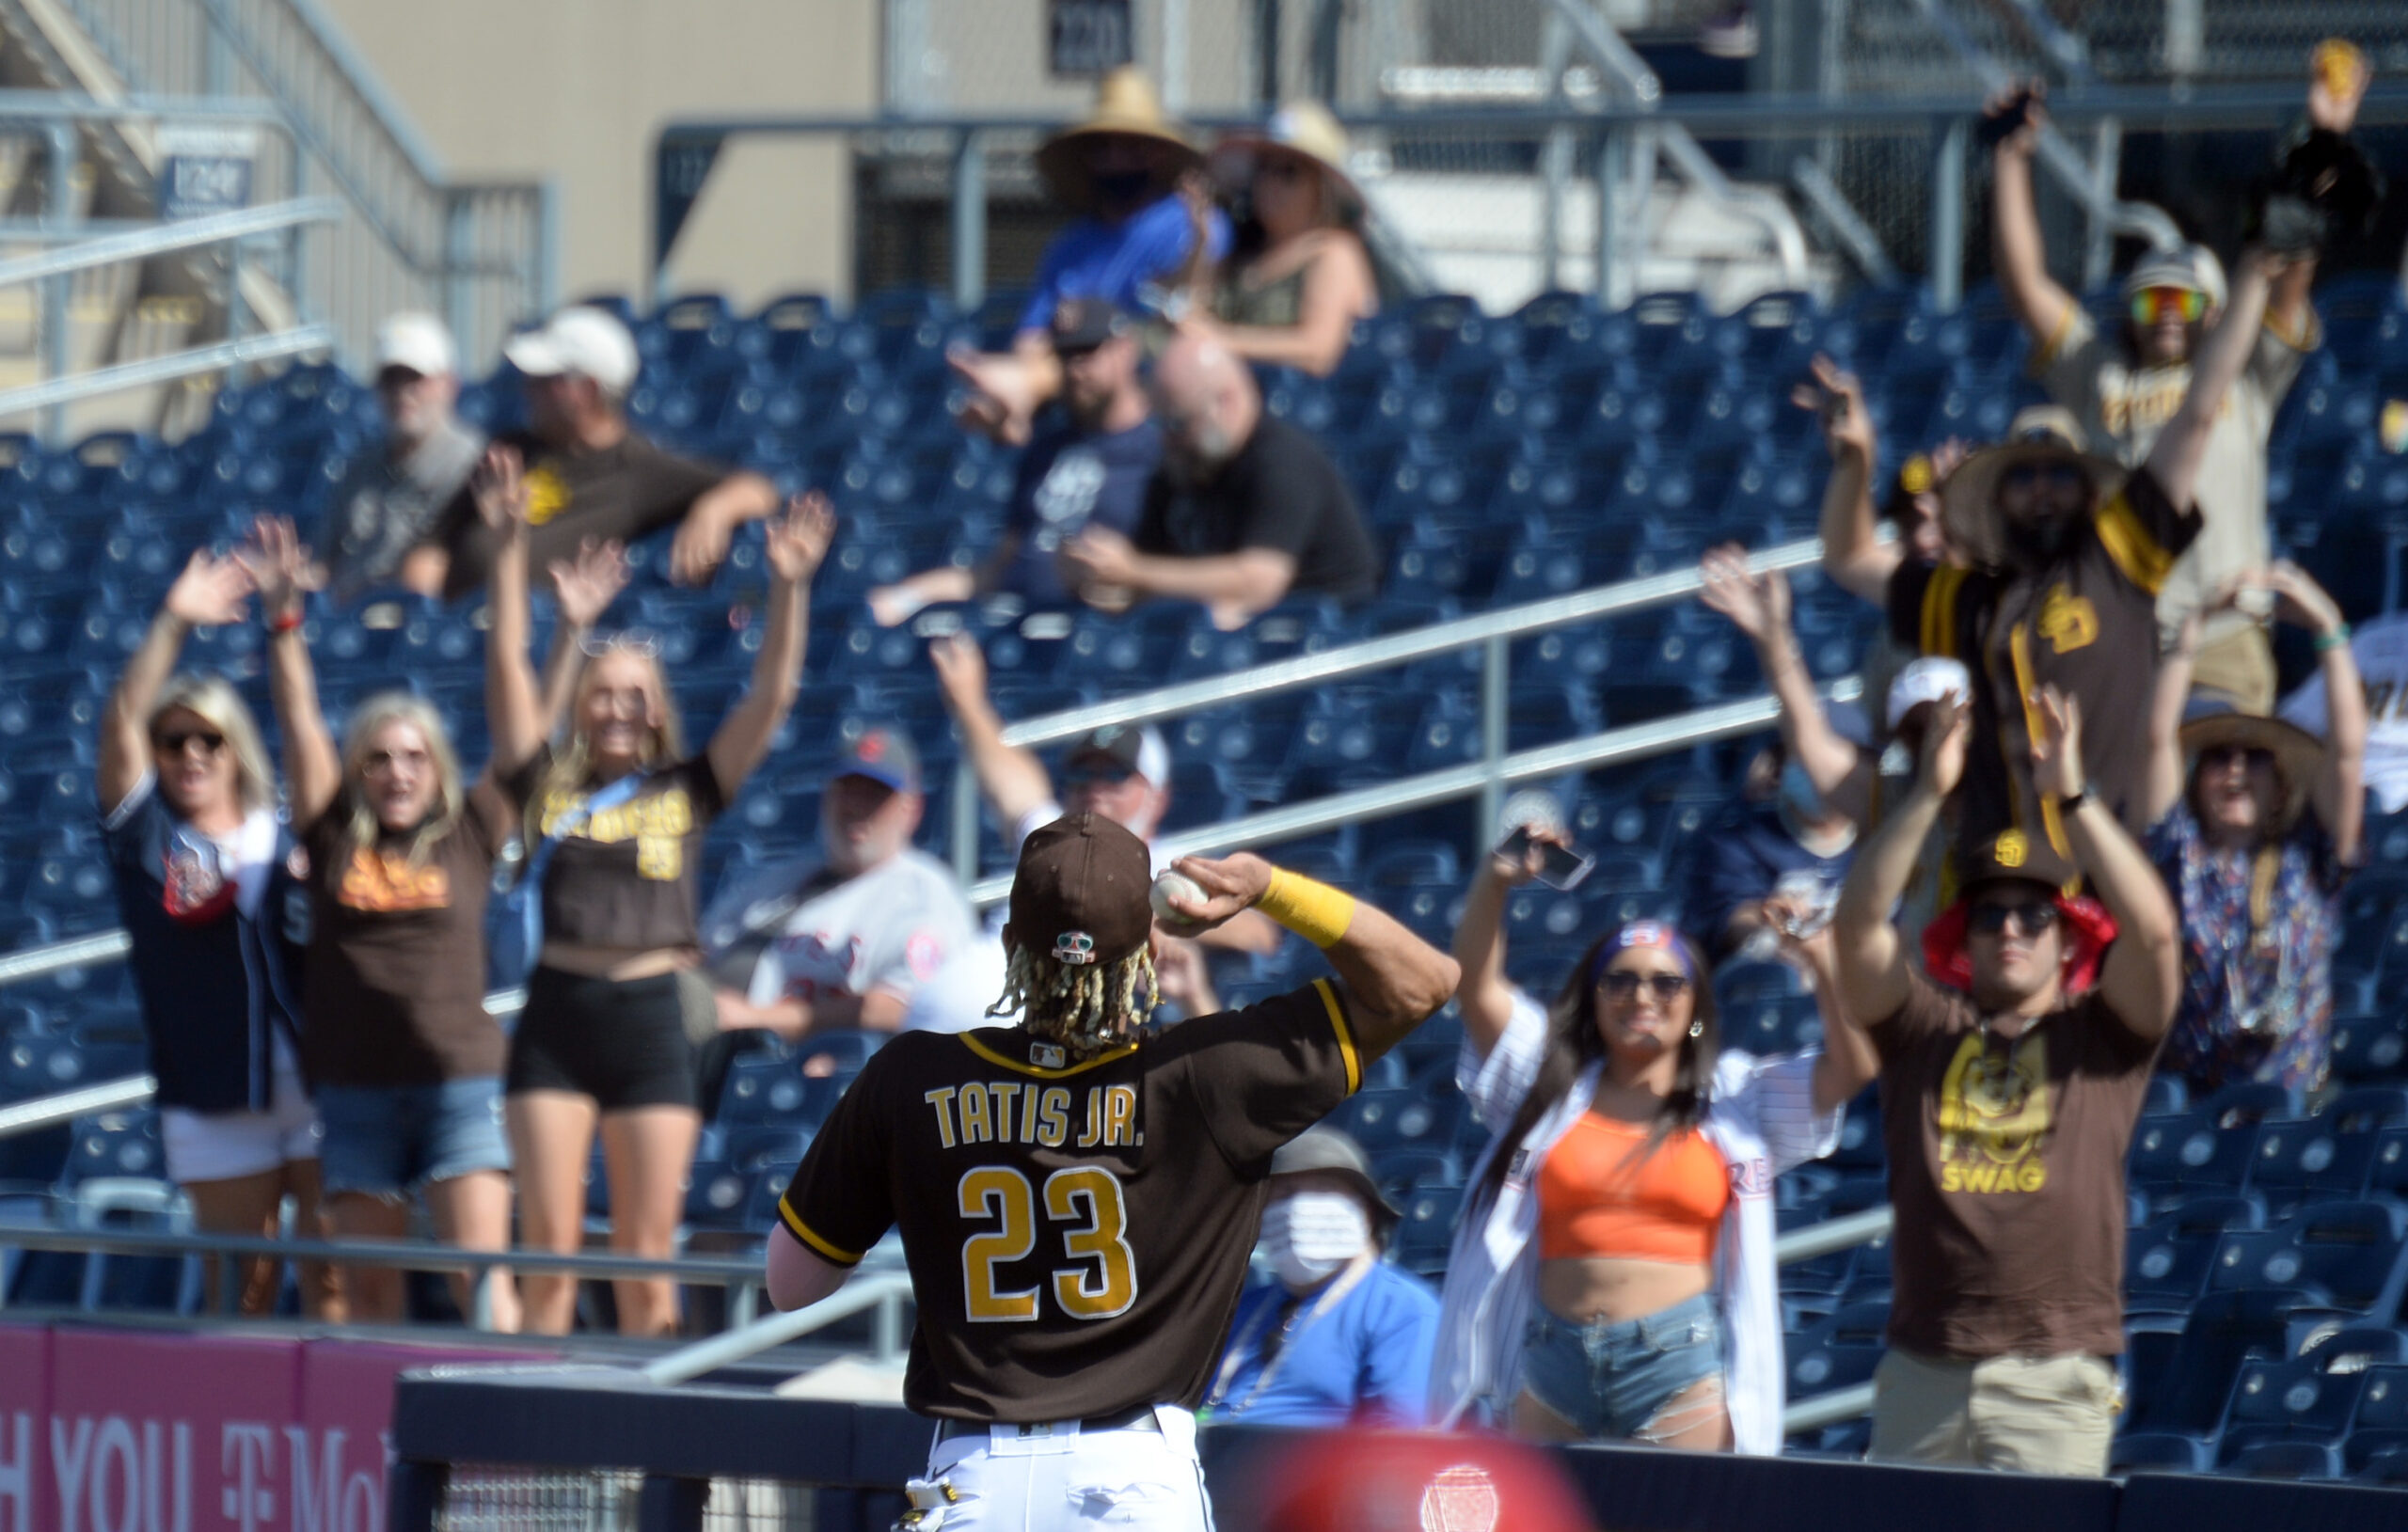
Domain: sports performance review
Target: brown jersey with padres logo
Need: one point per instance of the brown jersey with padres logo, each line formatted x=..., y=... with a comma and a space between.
x=624, y=875
x=1077, y=1232
x=2087, y=624
x=2006, y=1169
x=620, y=491
x=393, y=985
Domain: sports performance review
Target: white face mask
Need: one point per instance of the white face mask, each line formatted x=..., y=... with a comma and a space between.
x=1308, y=1238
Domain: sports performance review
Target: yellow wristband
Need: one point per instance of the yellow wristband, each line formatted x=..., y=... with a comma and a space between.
x=1315, y=911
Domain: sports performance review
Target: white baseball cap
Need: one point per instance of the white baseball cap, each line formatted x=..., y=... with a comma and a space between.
x=1927, y=680
x=579, y=339
x=415, y=341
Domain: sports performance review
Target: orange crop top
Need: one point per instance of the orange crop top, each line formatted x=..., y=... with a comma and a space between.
x=1598, y=1198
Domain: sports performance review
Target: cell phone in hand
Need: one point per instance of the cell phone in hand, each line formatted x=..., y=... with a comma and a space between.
x=1562, y=867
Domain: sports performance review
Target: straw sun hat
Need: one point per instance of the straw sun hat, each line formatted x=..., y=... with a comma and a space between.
x=1125, y=107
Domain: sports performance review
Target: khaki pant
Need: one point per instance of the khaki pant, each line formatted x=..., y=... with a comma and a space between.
x=2035, y=1414
x=2240, y=667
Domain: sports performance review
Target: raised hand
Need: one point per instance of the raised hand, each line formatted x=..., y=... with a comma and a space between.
x=2300, y=601
x=2029, y=98
x=2056, y=754
x=1757, y=604
x=2337, y=75
x=1839, y=399
x=279, y=565
x=1003, y=399
x=1515, y=871
x=1945, y=739
x=797, y=541
x=499, y=486
x=961, y=670
x=210, y=592
x=1230, y=883
x=587, y=584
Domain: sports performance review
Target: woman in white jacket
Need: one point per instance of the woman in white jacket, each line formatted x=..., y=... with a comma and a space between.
x=1613, y=1276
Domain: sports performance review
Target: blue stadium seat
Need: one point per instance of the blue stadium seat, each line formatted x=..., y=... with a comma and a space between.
x=2163, y=1452
x=2166, y=1263
x=2287, y=1401
x=2185, y=1153
x=1840, y=1352
x=1428, y=1225
x=2290, y=1462
x=2350, y=1257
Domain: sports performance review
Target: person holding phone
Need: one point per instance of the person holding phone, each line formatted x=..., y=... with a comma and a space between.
x=1613, y=1276
x=1780, y=857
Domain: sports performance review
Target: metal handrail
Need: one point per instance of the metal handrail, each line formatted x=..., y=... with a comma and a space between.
x=884, y=1293
x=159, y=239
x=166, y=369
x=66, y=1106
x=1638, y=741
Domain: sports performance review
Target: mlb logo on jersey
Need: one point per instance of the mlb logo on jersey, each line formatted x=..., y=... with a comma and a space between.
x=1048, y=1055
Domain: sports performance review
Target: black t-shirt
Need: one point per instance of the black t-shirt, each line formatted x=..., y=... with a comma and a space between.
x=625, y=875
x=1077, y=1234
x=2087, y=624
x=1282, y=492
x=618, y=492
x=1067, y=482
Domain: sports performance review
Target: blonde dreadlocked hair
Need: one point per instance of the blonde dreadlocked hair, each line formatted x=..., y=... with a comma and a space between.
x=1085, y=1008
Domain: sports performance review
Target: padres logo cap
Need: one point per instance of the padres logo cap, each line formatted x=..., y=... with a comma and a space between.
x=1080, y=894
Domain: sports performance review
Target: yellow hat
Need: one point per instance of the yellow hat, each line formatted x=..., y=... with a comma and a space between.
x=1125, y=106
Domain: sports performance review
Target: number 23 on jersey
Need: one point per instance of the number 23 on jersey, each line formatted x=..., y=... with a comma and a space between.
x=1100, y=1279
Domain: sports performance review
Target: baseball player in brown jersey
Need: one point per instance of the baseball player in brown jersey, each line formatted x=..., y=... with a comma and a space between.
x=1078, y=1195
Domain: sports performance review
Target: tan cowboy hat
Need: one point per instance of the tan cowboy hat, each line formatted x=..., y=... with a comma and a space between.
x=1125, y=106
x=2297, y=754
x=2041, y=433
x=1299, y=127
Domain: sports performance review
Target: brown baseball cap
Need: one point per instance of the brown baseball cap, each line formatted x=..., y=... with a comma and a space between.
x=1080, y=893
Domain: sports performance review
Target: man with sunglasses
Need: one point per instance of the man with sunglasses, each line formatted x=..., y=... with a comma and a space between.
x=2064, y=554
x=2011, y=1078
x=2125, y=387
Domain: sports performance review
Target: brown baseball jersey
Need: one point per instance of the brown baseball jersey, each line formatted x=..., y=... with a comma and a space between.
x=2086, y=622
x=1077, y=1232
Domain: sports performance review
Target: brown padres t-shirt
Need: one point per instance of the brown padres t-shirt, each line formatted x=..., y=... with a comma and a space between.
x=623, y=876
x=1077, y=1233
x=393, y=985
x=2007, y=1172
x=619, y=492
x=2087, y=623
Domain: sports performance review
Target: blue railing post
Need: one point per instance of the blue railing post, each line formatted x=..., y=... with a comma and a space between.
x=1945, y=271
x=969, y=221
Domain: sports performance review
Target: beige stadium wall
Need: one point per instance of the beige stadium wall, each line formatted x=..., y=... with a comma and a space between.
x=578, y=89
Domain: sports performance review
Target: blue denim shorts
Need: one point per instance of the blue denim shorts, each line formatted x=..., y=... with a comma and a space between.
x=1610, y=1380
x=389, y=1141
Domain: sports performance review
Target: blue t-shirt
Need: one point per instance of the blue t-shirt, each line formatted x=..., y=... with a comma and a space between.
x=1365, y=1358
x=1739, y=862
x=1095, y=259
x=1066, y=481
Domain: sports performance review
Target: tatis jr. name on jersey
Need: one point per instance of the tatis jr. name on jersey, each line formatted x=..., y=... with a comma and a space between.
x=1012, y=1113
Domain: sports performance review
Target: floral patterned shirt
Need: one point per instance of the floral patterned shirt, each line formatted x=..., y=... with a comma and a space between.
x=2257, y=1004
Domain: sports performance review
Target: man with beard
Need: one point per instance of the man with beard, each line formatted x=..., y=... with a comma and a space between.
x=1244, y=511
x=2065, y=553
x=387, y=500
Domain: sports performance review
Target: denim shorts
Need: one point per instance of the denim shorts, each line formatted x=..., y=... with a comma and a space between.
x=389, y=1141
x=1609, y=1379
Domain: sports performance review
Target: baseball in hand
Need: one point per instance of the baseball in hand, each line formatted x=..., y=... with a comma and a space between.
x=1171, y=886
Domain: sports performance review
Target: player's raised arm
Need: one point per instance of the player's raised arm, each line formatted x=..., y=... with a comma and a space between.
x=1394, y=979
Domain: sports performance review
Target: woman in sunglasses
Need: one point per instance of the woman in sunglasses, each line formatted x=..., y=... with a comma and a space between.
x=405, y=1061
x=1613, y=1276
x=1298, y=278
x=615, y=817
x=2255, y=842
x=208, y=886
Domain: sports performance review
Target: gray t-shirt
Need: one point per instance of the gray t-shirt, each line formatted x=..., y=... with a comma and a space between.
x=384, y=506
x=2122, y=407
x=800, y=930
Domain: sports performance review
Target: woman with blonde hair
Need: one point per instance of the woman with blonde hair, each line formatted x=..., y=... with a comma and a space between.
x=1298, y=278
x=614, y=819
x=208, y=887
x=404, y=1057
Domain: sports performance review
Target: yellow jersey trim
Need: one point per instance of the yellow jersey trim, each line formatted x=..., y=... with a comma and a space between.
x=1346, y=1048
x=1939, y=611
x=2140, y=556
x=802, y=1231
x=2056, y=342
x=1040, y=1070
x=2019, y=642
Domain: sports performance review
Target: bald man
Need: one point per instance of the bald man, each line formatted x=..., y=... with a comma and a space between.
x=1244, y=511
